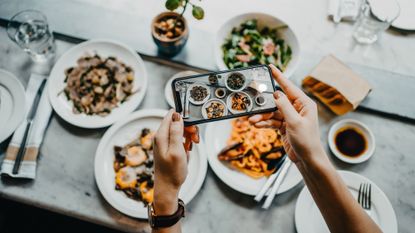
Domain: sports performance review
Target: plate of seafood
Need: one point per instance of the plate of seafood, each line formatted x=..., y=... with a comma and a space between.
x=124, y=164
x=243, y=156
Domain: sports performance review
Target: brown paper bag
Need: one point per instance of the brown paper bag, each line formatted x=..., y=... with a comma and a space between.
x=336, y=85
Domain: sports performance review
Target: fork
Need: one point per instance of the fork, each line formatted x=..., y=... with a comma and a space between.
x=365, y=196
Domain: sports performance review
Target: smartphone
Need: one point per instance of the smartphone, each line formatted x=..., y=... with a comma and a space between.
x=224, y=94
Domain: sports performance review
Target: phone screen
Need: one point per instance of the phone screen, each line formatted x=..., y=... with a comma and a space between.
x=224, y=94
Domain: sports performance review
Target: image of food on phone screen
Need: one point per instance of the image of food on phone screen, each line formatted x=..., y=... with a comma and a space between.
x=225, y=94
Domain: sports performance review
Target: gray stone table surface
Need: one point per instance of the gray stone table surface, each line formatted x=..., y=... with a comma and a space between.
x=65, y=181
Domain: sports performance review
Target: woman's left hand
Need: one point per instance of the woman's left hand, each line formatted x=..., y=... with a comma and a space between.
x=170, y=160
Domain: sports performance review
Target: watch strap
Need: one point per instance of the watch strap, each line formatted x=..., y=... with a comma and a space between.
x=168, y=220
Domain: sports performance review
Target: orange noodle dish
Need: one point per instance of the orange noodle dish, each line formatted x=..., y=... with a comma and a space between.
x=254, y=151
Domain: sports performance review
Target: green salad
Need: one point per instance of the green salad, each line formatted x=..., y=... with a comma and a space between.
x=248, y=45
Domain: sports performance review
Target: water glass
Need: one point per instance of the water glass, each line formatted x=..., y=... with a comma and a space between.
x=375, y=17
x=29, y=29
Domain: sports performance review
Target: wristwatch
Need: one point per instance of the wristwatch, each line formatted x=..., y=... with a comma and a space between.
x=156, y=221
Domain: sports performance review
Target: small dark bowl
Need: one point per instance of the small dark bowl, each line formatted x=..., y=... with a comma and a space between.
x=166, y=46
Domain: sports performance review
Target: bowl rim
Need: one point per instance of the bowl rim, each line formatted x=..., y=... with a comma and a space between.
x=364, y=128
x=218, y=53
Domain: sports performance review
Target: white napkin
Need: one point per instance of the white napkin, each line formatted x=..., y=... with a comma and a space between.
x=35, y=137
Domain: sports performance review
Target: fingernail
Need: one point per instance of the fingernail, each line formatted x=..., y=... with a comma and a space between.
x=176, y=116
x=278, y=94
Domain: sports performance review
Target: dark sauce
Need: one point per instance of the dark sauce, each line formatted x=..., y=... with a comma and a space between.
x=350, y=142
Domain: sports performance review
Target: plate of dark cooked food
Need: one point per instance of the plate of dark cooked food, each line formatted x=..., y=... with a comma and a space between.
x=124, y=164
x=244, y=156
x=96, y=83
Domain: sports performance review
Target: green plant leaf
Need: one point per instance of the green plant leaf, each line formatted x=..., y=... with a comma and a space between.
x=198, y=12
x=172, y=4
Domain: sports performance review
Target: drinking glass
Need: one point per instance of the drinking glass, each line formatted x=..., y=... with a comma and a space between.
x=29, y=29
x=375, y=17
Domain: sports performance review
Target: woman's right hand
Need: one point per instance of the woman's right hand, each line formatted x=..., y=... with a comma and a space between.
x=296, y=118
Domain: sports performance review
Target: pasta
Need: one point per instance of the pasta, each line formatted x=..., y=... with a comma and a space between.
x=253, y=151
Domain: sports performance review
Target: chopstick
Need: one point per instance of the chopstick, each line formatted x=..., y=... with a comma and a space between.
x=30, y=117
x=277, y=184
x=270, y=181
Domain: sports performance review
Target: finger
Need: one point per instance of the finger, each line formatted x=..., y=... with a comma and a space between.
x=292, y=91
x=187, y=144
x=195, y=137
x=286, y=108
x=191, y=129
x=260, y=117
x=278, y=115
x=176, y=130
x=161, y=138
x=269, y=124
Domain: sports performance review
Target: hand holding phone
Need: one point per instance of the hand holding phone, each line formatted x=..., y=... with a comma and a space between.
x=224, y=94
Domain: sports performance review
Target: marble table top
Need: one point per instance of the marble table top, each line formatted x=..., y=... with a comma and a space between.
x=65, y=181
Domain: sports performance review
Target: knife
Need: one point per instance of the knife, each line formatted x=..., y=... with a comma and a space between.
x=30, y=117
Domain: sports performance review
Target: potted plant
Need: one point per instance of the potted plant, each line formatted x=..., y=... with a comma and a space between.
x=170, y=29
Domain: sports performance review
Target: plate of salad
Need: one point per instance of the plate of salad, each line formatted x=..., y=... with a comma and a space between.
x=254, y=39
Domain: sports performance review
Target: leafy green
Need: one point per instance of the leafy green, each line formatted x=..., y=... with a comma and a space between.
x=249, y=34
x=173, y=4
x=198, y=12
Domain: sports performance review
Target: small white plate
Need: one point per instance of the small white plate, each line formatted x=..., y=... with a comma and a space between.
x=406, y=19
x=308, y=218
x=263, y=20
x=12, y=104
x=193, y=101
x=239, y=89
x=204, y=113
x=366, y=133
x=168, y=91
x=104, y=48
x=233, y=178
x=229, y=103
x=123, y=132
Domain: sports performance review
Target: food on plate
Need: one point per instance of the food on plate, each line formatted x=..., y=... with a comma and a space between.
x=213, y=79
x=214, y=109
x=253, y=151
x=133, y=166
x=97, y=85
x=240, y=101
x=328, y=95
x=199, y=93
x=235, y=81
x=250, y=45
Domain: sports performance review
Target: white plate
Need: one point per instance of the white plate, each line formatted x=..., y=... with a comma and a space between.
x=193, y=101
x=104, y=48
x=217, y=133
x=168, y=92
x=123, y=132
x=308, y=218
x=263, y=20
x=204, y=113
x=406, y=18
x=12, y=104
x=366, y=133
x=229, y=103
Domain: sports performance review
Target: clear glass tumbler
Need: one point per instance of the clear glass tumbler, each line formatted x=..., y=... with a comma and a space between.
x=375, y=17
x=29, y=29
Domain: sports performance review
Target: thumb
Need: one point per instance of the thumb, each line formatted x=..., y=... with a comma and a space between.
x=176, y=130
x=285, y=107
